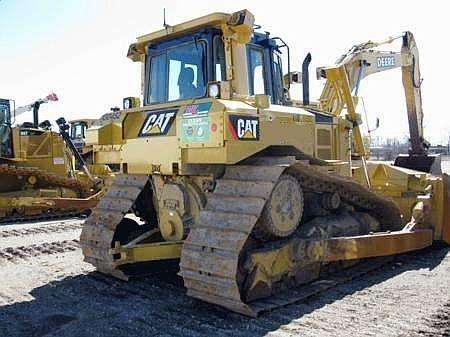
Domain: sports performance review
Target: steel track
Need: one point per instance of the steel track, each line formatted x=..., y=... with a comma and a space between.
x=41, y=217
x=210, y=260
x=15, y=254
x=44, y=229
x=98, y=231
x=210, y=257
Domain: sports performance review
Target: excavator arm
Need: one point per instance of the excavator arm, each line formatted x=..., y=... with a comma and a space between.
x=343, y=81
x=411, y=84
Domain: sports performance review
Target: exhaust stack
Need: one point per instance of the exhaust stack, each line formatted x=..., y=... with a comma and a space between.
x=305, y=78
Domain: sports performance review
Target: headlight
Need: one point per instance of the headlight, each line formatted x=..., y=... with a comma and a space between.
x=214, y=90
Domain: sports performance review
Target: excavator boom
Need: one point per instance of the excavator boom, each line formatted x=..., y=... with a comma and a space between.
x=343, y=81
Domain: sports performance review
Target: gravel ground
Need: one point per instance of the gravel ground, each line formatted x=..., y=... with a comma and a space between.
x=50, y=292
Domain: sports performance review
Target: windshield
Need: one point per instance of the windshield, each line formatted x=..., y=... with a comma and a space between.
x=177, y=73
x=78, y=130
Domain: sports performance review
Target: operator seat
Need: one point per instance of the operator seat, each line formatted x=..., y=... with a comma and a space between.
x=186, y=85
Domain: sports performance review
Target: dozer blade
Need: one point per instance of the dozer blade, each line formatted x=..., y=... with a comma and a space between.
x=424, y=163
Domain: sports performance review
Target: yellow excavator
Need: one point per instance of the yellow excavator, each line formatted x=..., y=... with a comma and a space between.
x=250, y=193
x=340, y=94
x=37, y=174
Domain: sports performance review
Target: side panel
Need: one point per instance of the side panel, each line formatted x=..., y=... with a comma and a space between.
x=45, y=150
x=153, y=154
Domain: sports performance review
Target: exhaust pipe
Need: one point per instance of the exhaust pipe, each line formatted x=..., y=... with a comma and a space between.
x=36, y=106
x=305, y=78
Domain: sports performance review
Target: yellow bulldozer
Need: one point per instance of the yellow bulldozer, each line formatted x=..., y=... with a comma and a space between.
x=250, y=192
x=99, y=140
x=78, y=130
x=37, y=173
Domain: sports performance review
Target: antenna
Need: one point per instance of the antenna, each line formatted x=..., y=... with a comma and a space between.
x=164, y=16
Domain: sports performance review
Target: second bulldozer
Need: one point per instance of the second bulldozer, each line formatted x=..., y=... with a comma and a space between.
x=37, y=171
x=221, y=175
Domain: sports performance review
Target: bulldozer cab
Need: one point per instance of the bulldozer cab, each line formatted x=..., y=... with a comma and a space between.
x=78, y=129
x=183, y=68
x=5, y=129
x=77, y=133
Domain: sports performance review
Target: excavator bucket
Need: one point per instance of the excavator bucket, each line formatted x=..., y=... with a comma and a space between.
x=424, y=163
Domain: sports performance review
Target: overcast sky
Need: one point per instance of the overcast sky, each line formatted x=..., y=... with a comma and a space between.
x=77, y=49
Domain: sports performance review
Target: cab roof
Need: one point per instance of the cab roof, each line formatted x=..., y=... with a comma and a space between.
x=210, y=20
x=137, y=49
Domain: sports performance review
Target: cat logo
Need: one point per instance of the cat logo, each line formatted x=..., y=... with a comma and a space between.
x=158, y=123
x=244, y=127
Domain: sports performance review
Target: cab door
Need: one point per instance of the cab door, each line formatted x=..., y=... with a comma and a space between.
x=265, y=70
x=6, y=150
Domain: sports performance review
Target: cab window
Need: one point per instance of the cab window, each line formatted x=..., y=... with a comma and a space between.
x=178, y=73
x=4, y=112
x=157, y=93
x=256, y=71
x=277, y=79
x=219, y=58
x=78, y=131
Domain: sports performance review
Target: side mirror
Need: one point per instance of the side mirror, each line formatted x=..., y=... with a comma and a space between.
x=293, y=77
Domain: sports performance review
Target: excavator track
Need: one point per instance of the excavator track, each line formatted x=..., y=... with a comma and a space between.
x=99, y=229
x=210, y=261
